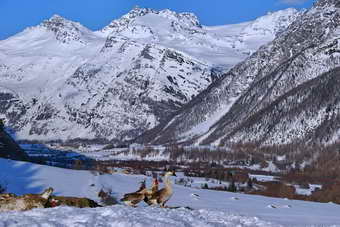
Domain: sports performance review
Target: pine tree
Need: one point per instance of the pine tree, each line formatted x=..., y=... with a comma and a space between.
x=2, y=124
x=232, y=187
x=250, y=183
x=205, y=186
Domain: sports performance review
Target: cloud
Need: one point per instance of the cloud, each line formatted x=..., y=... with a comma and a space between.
x=293, y=2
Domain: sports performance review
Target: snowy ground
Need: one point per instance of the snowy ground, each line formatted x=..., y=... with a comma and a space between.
x=211, y=208
x=124, y=216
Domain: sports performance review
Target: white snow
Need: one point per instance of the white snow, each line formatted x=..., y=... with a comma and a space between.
x=307, y=191
x=262, y=178
x=211, y=208
x=205, y=127
x=120, y=216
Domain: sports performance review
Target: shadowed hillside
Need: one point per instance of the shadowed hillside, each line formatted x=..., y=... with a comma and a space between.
x=9, y=148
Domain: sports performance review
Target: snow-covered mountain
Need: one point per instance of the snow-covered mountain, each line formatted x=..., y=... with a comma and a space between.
x=222, y=46
x=60, y=80
x=286, y=92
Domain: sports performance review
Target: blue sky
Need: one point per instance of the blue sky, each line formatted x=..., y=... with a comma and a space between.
x=16, y=15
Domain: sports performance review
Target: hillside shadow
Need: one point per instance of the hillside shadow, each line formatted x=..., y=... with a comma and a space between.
x=42, y=154
x=16, y=176
x=36, y=152
x=10, y=132
x=9, y=148
x=19, y=177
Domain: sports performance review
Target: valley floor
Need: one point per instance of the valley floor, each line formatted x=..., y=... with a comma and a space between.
x=211, y=208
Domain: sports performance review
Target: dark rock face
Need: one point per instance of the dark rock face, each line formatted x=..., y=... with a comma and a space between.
x=277, y=96
x=9, y=148
x=12, y=108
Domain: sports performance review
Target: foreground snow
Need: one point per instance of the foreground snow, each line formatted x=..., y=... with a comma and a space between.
x=118, y=216
x=211, y=208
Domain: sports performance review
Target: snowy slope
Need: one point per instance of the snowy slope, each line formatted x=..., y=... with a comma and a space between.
x=212, y=208
x=222, y=46
x=286, y=92
x=59, y=80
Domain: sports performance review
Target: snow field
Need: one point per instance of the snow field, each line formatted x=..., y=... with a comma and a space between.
x=211, y=208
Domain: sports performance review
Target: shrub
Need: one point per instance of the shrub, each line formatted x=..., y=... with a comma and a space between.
x=277, y=189
x=329, y=193
x=232, y=187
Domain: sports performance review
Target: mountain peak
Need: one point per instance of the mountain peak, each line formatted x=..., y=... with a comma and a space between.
x=57, y=20
x=65, y=30
x=137, y=15
x=273, y=22
x=56, y=17
x=138, y=12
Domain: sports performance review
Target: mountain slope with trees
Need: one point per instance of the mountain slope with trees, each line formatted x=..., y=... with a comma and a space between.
x=284, y=93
